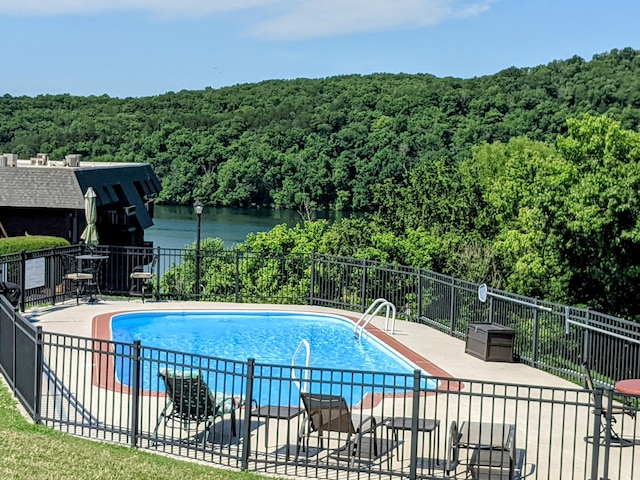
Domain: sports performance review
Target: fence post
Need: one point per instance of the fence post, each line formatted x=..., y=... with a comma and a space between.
x=14, y=351
x=595, y=446
x=452, y=306
x=607, y=397
x=135, y=388
x=586, y=348
x=157, y=272
x=246, y=445
x=38, y=371
x=237, y=277
x=313, y=277
x=23, y=273
x=536, y=336
x=51, y=281
x=419, y=309
x=363, y=290
x=415, y=417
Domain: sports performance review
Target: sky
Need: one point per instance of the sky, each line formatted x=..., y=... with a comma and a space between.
x=140, y=48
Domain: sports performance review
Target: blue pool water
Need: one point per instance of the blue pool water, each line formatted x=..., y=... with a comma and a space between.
x=270, y=338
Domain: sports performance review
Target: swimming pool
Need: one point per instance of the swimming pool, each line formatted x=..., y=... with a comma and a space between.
x=270, y=338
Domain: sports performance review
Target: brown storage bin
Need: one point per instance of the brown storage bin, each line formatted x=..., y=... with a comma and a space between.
x=490, y=342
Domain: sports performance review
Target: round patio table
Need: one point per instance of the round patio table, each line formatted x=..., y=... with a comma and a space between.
x=630, y=386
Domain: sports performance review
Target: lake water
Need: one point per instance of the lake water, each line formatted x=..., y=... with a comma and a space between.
x=176, y=226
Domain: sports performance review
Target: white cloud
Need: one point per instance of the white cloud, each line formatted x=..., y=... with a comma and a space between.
x=317, y=18
x=278, y=19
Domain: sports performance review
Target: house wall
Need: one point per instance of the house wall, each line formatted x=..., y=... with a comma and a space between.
x=56, y=223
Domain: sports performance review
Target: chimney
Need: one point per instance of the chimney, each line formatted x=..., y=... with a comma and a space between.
x=9, y=160
x=72, y=160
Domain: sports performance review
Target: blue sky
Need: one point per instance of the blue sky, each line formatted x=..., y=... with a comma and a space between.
x=135, y=48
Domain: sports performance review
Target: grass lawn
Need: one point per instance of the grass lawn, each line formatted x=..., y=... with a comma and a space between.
x=30, y=451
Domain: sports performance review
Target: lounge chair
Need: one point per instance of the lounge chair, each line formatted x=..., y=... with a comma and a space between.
x=189, y=399
x=605, y=425
x=329, y=414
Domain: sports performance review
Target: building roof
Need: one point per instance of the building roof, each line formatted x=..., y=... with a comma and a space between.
x=61, y=187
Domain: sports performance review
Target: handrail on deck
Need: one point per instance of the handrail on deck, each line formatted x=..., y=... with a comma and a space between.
x=302, y=385
x=367, y=316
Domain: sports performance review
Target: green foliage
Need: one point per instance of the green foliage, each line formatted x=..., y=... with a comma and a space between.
x=330, y=142
x=30, y=243
x=603, y=214
x=527, y=179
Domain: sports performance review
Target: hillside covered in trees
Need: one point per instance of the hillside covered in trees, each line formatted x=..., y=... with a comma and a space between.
x=528, y=179
x=326, y=141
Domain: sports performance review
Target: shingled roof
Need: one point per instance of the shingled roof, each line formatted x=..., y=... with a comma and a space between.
x=61, y=187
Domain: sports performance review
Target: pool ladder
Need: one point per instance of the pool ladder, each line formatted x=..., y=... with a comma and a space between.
x=302, y=385
x=367, y=316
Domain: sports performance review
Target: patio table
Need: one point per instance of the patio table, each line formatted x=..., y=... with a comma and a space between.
x=426, y=426
x=630, y=386
x=95, y=262
x=275, y=412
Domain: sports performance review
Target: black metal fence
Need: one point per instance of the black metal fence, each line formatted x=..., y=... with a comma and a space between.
x=81, y=395
x=116, y=392
x=21, y=357
x=552, y=337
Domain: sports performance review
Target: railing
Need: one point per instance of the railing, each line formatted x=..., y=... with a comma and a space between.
x=21, y=357
x=610, y=345
x=301, y=383
x=111, y=391
x=371, y=312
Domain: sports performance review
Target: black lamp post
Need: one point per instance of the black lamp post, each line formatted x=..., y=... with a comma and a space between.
x=198, y=207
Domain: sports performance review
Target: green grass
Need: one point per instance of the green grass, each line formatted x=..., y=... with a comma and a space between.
x=29, y=451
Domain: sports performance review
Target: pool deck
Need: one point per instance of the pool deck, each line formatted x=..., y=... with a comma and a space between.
x=435, y=352
x=445, y=353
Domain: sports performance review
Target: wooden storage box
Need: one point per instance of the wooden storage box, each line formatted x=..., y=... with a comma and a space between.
x=490, y=342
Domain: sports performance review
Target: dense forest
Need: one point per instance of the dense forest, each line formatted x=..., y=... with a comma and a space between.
x=325, y=141
x=527, y=179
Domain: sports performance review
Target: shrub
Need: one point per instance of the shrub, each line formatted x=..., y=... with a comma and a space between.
x=30, y=243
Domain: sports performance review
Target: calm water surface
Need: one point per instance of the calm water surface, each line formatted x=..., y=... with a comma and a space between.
x=269, y=338
x=176, y=226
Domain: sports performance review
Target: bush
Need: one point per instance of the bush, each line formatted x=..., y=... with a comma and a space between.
x=30, y=243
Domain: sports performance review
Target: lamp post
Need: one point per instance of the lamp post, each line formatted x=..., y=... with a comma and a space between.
x=198, y=207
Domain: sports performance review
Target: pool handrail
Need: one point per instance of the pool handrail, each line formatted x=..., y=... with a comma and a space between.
x=303, y=344
x=379, y=303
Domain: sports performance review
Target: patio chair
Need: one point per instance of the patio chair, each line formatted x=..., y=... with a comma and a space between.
x=329, y=414
x=604, y=412
x=453, y=449
x=75, y=277
x=139, y=278
x=189, y=399
x=493, y=463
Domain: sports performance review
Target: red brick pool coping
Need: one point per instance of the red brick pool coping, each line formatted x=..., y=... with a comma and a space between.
x=104, y=366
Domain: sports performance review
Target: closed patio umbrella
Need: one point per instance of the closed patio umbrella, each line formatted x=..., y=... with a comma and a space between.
x=90, y=233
